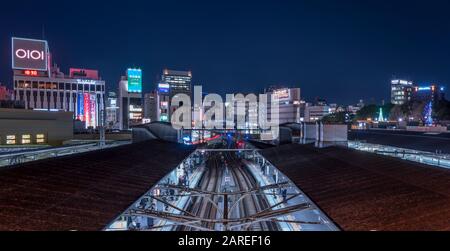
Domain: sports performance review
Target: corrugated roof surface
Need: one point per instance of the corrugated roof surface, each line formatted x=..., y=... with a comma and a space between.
x=85, y=191
x=364, y=191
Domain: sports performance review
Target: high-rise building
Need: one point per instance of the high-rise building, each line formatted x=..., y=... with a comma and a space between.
x=151, y=111
x=401, y=91
x=172, y=83
x=179, y=81
x=112, y=111
x=130, y=99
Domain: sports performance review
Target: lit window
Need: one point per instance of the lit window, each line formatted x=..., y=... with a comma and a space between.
x=11, y=139
x=40, y=138
x=26, y=139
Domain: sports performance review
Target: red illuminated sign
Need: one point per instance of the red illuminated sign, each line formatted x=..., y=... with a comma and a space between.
x=30, y=73
x=87, y=109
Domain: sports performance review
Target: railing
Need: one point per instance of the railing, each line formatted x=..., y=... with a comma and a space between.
x=10, y=159
x=429, y=158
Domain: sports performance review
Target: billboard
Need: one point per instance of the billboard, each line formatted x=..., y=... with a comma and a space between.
x=282, y=94
x=134, y=80
x=87, y=109
x=80, y=107
x=29, y=54
x=163, y=88
x=93, y=110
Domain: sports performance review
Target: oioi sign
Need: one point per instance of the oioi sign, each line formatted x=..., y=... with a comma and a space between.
x=29, y=54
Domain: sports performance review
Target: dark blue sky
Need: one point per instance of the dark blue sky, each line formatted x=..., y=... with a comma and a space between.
x=341, y=50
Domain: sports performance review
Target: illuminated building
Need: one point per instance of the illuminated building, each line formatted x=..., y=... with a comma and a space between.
x=41, y=86
x=163, y=106
x=130, y=99
x=178, y=81
x=112, y=111
x=289, y=104
x=401, y=91
x=173, y=83
x=79, y=93
x=315, y=113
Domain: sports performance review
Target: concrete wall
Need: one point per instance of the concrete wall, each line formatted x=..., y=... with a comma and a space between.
x=309, y=131
x=334, y=133
x=56, y=126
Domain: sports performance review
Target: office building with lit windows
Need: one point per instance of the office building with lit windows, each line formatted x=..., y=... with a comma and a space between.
x=401, y=91
x=81, y=92
x=172, y=83
x=315, y=113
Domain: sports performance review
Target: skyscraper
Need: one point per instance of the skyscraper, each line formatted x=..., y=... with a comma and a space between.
x=179, y=81
x=173, y=83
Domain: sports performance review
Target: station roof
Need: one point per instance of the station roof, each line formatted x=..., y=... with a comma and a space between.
x=84, y=191
x=410, y=140
x=365, y=191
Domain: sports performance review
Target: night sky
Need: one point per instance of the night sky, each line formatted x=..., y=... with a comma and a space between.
x=339, y=50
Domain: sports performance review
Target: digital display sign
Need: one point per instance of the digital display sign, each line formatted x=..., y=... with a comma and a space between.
x=29, y=54
x=164, y=88
x=134, y=80
x=80, y=106
x=87, y=109
x=31, y=73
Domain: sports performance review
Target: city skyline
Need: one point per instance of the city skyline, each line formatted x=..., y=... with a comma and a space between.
x=249, y=48
x=215, y=124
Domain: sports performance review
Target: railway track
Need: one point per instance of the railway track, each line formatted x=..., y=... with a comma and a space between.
x=253, y=203
x=202, y=207
x=205, y=207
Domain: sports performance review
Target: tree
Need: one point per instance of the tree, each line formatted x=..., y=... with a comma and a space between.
x=368, y=111
x=397, y=112
x=336, y=118
x=442, y=110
